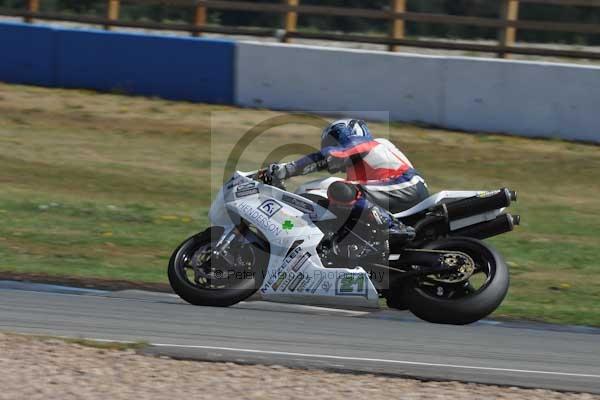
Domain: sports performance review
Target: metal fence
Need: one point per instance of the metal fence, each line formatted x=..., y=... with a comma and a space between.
x=395, y=16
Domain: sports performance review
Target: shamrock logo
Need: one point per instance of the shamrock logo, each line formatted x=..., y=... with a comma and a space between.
x=287, y=225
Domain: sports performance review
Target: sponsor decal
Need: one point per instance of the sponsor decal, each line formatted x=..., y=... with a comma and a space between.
x=316, y=285
x=299, y=262
x=287, y=281
x=245, y=193
x=287, y=225
x=351, y=285
x=272, y=278
x=234, y=181
x=291, y=259
x=270, y=208
x=304, y=284
x=247, y=189
x=308, y=288
x=484, y=195
x=299, y=205
x=292, y=253
x=259, y=219
x=279, y=281
x=294, y=247
x=296, y=282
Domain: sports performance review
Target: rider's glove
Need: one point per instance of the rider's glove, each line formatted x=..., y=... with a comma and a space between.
x=281, y=171
x=335, y=164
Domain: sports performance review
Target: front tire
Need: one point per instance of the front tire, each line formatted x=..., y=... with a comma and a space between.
x=194, y=293
x=469, y=304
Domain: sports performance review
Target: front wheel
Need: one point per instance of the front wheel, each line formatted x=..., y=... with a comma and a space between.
x=203, y=278
x=438, y=299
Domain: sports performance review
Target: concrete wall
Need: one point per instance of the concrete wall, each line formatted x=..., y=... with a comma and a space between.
x=176, y=68
x=303, y=78
x=473, y=94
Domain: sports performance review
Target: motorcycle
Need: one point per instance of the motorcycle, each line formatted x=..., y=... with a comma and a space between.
x=294, y=247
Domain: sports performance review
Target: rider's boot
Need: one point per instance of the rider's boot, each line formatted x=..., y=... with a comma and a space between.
x=391, y=228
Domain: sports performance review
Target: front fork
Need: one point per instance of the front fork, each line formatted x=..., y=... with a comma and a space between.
x=231, y=234
x=221, y=251
x=225, y=240
x=240, y=232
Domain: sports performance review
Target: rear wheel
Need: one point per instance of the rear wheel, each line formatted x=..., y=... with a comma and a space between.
x=203, y=278
x=395, y=296
x=446, y=299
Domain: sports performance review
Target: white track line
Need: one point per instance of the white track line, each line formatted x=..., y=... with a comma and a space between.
x=283, y=307
x=284, y=353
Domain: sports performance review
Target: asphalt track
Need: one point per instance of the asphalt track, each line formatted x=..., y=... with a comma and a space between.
x=390, y=342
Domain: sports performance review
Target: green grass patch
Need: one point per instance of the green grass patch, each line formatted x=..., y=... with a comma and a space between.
x=101, y=345
x=115, y=346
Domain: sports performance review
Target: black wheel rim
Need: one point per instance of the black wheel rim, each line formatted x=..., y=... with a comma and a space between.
x=198, y=267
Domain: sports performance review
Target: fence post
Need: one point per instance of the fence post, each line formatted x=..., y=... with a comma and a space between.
x=291, y=19
x=112, y=12
x=398, y=26
x=508, y=34
x=32, y=6
x=199, y=18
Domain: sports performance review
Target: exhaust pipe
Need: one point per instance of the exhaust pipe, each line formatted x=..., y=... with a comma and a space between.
x=502, y=224
x=480, y=204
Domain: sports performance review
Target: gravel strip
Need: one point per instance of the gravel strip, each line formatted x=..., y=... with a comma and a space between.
x=34, y=368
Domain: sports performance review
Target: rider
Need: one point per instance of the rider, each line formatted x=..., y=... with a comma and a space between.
x=377, y=173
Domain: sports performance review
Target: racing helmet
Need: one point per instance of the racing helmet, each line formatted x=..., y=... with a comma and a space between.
x=341, y=132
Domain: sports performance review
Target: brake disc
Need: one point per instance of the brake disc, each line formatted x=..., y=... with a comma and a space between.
x=462, y=268
x=198, y=264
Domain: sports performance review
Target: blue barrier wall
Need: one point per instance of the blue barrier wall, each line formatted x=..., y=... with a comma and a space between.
x=27, y=54
x=177, y=68
x=169, y=67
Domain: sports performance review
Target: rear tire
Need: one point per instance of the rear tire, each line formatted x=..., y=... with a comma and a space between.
x=473, y=306
x=195, y=295
x=395, y=296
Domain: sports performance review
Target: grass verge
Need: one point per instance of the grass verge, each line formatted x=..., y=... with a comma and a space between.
x=101, y=345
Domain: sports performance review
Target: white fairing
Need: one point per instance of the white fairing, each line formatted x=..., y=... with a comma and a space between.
x=295, y=273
